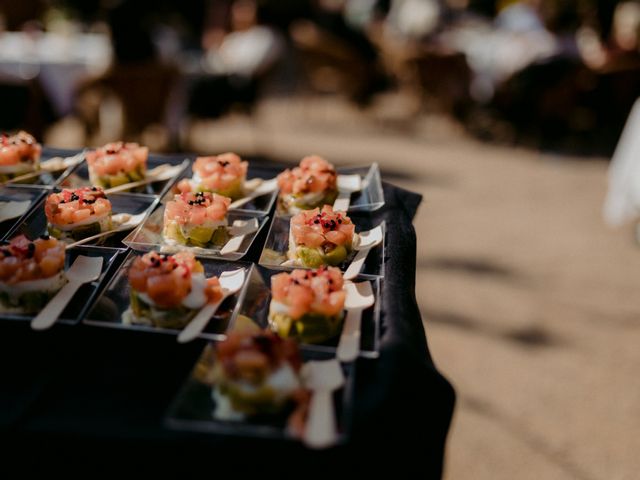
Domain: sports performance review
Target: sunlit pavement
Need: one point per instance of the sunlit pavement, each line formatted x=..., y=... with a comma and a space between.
x=529, y=301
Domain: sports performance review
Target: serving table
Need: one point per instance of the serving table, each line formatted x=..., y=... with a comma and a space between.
x=77, y=397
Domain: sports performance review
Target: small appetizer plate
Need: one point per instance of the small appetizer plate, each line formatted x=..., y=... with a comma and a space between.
x=84, y=297
x=15, y=203
x=371, y=196
x=274, y=253
x=115, y=301
x=155, y=163
x=367, y=198
x=194, y=406
x=257, y=299
x=260, y=188
x=148, y=236
x=122, y=206
x=56, y=164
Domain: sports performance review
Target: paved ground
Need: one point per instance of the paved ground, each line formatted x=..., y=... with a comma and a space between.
x=530, y=303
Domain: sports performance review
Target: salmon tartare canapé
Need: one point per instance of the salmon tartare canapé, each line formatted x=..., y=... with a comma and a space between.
x=168, y=290
x=19, y=155
x=321, y=237
x=117, y=163
x=223, y=174
x=307, y=304
x=77, y=214
x=258, y=373
x=198, y=219
x=31, y=272
x=310, y=185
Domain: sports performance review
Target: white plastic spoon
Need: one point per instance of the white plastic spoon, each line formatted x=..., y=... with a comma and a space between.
x=322, y=377
x=124, y=221
x=230, y=282
x=347, y=184
x=51, y=165
x=239, y=230
x=83, y=270
x=368, y=240
x=265, y=187
x=157, y=174
x=359, y=297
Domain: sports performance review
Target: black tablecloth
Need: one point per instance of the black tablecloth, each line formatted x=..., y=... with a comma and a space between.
x=77, y=397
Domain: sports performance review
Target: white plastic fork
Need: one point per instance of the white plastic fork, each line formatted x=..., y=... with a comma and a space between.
x=84, y=270
x=230, y=282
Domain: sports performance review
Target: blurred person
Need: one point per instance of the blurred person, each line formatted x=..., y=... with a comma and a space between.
x=336, y=55
x=626, y=26
x=17, y=13
x=413, y=19
x=241, y=52
x=248, y=49
x=130, y=100
x=577, y=98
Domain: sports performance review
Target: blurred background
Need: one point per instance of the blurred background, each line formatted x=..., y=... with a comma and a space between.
x=503, y=114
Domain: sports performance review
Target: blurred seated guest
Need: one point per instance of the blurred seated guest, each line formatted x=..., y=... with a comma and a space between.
x=16, y=13
x=413, y=19
x=239, y=58
x=336, y=57
x=623, y=48
x=131, y=99
x=24, y=105
x=249, y=49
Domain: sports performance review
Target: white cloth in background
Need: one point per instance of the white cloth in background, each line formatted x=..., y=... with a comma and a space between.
x=413, y=18
x=58, y=61
x=495, y=52
x=247, y=53
x=623, y=197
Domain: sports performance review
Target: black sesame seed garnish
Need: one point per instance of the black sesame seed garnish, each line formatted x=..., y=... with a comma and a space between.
x=45, y=236
x=31, y=249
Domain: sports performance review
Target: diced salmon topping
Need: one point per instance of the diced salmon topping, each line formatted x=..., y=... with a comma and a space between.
x=304, y=291
x=167, y=278
x=315, y=228
x=72, y=206
x=196, y=208
x=219, y=172
x=21, y=147
x=117, y=157
x=252, y=356
x=313, y=175
x=22, y=259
